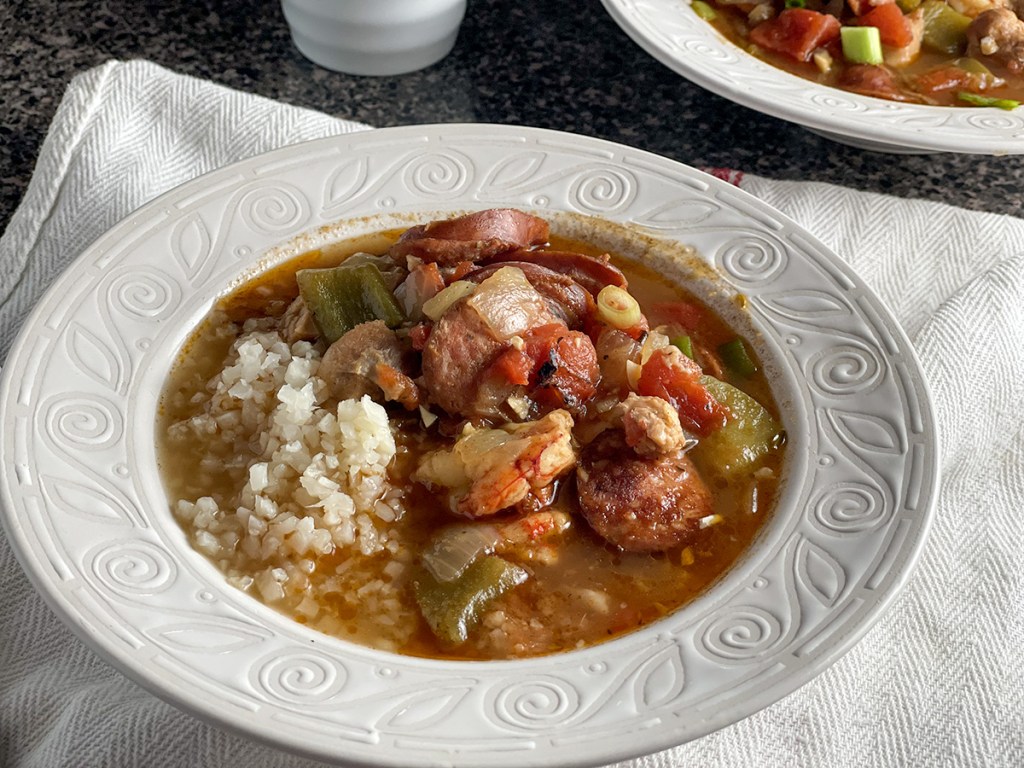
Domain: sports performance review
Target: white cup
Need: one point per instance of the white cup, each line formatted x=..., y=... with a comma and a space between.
x=374, y=37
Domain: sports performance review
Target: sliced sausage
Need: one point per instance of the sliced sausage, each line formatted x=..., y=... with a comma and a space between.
x=871, y=80
x=460, y=348
x=472, y=237
x=639, y=504
x=592, y=272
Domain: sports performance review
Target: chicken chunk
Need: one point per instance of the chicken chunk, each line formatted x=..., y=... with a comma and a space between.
x=297, y=323
x=369, y=360
x=651, y=426
x=998, y=35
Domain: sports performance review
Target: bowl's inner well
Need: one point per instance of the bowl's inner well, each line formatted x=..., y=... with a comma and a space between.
x=314, y=503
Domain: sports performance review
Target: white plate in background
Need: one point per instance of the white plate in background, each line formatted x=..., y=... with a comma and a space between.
x=672, y=33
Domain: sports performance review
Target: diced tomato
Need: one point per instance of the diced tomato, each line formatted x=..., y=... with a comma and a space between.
x=951, y=79
x=565, y=371
x=419, y=334
x=672, y=376
x=796, y=32
x=396, y=385
x=893, y=26
x=513, y=365
x=943, y=79
x=558, y=366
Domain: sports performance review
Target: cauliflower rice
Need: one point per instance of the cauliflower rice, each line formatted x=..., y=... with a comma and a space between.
x=307, y=493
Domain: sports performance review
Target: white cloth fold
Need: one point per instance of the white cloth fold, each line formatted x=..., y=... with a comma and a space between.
x=937, y=681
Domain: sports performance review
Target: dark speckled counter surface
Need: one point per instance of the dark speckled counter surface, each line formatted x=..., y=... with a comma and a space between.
x=563, y=65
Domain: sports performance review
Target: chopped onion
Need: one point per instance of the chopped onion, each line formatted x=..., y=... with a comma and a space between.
x=509, y=304
x=427, y=417
x=655, y=340
x=456, y=547
x=633, y=374
x=709, y=520
x=520, y=404
x=437, y=305
x=617, y=308
x=822, y=60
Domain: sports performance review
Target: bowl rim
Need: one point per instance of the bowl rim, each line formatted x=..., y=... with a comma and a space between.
x=55, y=593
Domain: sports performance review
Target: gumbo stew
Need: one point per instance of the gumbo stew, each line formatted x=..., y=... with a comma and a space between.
x=470, y=439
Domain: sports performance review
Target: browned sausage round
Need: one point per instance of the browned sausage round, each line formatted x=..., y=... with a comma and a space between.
x=592, y=272
x=638, y=504
x=472, y=237
x=460, y=348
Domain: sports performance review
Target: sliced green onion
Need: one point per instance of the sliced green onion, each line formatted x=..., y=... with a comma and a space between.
x=703, y=10
x=987, y=101
x=617, y=308
x=736, y=358
x=796, y=3
x=684, y=345
x=861, y=45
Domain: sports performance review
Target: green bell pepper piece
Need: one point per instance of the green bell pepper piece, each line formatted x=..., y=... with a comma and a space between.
x=736, y=359
x=945, y=30
x=341, y=298
x=750, y=433
x=454, y=608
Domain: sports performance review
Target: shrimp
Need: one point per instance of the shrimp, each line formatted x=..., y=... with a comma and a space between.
x=651, y=426
x=488, y=470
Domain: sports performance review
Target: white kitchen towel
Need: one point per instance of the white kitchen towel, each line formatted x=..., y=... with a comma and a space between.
x=937, y=681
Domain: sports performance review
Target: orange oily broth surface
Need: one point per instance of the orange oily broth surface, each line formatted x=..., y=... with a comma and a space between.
x=581, y=591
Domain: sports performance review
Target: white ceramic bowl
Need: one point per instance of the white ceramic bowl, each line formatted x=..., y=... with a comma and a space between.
x=85, y=510
x=673, y=34
x=374, y=37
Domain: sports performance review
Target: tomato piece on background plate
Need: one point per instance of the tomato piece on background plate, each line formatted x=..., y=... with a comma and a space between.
x=796, y=32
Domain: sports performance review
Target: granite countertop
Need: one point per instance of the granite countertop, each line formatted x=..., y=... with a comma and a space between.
x=563, y=65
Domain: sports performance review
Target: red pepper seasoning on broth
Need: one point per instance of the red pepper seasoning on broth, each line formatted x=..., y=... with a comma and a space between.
x=469, y=440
